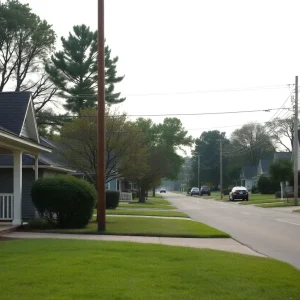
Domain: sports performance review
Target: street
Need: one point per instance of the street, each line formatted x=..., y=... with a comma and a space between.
x=270, y=232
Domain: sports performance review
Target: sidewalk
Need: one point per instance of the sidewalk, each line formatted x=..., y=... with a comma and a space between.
x=229, y=245
x=154, y=217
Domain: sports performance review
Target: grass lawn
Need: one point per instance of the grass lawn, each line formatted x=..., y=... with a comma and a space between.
x=297, y=210
x=276, y=204
x=146, y=206
x=150, y=227
x=146, y=213
x=70, y=269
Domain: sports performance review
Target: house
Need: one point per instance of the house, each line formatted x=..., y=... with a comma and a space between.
x=24, y=157
x=247, y=174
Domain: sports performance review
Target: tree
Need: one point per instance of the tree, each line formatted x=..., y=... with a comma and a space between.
x=125, y=149
x=281, y=170
x=162, y=141
x=282, y=129
x=252, y=142
x=266, y=186
x=208, y=147
x=74, y=71
x=25, y=42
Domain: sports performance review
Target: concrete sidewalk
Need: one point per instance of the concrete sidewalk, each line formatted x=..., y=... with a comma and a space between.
x=229, y=245
x=153, y=217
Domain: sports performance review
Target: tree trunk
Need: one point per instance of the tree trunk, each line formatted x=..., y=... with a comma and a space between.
x=142, y=198
x=153, y=193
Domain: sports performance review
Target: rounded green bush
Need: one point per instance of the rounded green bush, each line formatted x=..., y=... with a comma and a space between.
x=65, y=201
x=112, y=199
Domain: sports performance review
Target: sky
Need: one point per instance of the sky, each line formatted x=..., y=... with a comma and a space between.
x=183, y=57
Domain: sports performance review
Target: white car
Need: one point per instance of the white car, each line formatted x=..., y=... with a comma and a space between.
x=239, y=192
x=163, y=190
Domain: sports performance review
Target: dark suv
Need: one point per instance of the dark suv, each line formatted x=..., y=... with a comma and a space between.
x=205, y=190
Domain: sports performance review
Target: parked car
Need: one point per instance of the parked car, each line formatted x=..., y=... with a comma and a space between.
x=194, y=191
x=205, y=190
x=239, y=192
x=163, y=190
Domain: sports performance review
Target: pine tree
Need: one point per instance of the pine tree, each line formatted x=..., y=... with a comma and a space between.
x=74, y=71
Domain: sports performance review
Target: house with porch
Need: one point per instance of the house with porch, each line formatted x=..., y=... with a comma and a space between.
x=247, y=174
x=24, y=157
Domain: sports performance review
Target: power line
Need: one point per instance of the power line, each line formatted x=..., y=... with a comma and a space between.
x=179, y=114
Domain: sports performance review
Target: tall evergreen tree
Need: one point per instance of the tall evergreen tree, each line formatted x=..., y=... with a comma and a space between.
x=74, y=70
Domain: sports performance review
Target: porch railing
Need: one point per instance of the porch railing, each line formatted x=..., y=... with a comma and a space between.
x=125, y=196
x=6, y=207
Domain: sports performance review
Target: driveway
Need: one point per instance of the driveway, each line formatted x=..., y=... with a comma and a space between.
x=274, y=233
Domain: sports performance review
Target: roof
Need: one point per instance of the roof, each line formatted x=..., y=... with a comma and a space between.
x=11, y=119
x=265, y=165
x=249, y=171
x=53, y=159
x=283, y=155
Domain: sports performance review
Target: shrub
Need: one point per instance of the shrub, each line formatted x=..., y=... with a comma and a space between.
x=285, y=194
x=112, y=199
x=40, y=224
x=226, y=192
x=134, y=195
x=65, y=201
x=254, y=190
x=266, y=186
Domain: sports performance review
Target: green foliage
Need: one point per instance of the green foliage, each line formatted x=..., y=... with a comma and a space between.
x=208, y=146
x=134, y=195
x=285, y=194
x=266, y=186
x=254, y=190
x=65, y=201
x=125, y=147
x=226, y=192
x=25, y=41
x=281, y=170
x=40, y=224
x=74, y=70
x=112, y=199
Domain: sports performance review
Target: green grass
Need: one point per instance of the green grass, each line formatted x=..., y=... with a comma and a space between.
x=146, y=206
x=146, y=213
x=276, y=204
x=253, y=202
x=85, y=270
x=150, y=227
x=297, y=210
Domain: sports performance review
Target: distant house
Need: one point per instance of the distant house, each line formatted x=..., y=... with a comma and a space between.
x=247, y=175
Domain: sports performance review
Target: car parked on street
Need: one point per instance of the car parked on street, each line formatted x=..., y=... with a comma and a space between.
x=163, y=190
x=239, y=192
x=195, y=191
x=205, y=190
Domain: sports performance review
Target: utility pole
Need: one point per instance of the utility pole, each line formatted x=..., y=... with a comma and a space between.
x=101, y=141
x=221, y=169
x=296, y=144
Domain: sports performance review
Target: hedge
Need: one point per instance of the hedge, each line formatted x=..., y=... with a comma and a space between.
x=112, y=199
x=64, y=201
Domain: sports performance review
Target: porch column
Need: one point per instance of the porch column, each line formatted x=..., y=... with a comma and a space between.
x=36, y=168
x=36, y=176
x=17, y=188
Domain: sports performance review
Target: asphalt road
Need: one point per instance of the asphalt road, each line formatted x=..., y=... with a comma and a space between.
x=273, y=233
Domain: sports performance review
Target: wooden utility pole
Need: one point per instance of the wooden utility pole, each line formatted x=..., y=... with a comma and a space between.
x=101, y=194
x=296, y=144
x=221, y=169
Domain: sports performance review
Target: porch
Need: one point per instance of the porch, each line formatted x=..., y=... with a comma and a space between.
x=11, y=198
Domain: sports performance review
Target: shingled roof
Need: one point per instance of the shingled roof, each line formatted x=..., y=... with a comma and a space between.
x=13, y=110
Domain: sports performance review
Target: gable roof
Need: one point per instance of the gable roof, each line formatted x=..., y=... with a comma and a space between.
x=283, y=155
x=13, y=108
x=265, y=165
x=249, y=171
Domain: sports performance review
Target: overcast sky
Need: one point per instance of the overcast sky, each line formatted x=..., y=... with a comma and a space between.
x=177, y=55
